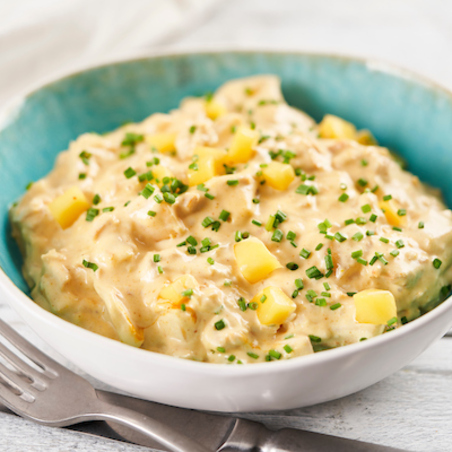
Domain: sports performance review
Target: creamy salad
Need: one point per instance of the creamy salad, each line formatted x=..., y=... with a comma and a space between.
x=234, y=230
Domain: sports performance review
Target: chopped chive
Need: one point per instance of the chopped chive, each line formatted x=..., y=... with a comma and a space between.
x=295, y=293
x=364, y=162
x=257, y=223
x=357, y=237
x=313, y=272
x=384, y=240
x=263, y=298
x=366, y=208
x=277, y=236
x=209, y=196
x=437, y=263
x=320, y=302
x=299, y=283
x=207, y=222
x=394, y=253
x=169, y=198
x=329, y=237
x=96, y=200
x=362, y=182
x=210, y=261
x=191, y=240
x=201, y=187
x=361, y=261
x=356, y=254
x=399, y=243
x=158, y=198
x=327, y=286
x=182, y=306
x=256, y=201
x=91, y=213
x=82, y=176
x=288, y=349
x=335, y=306
x=325, y=294
x=329, y=262
x=339, y=237
x=304, y=189
x=360, y=221
x=108, y=209
x=192, y=129
x=252, y=355
x=373, y=218
x=232, y=182
x=395, y=228
x=350, y=294
x=220, y=325
x=156, y=257
x=343, y=186
x=401, y=212
x=315, y=338
x=221, y=349
x=191, y=250
x=224, y=215
x=292, y=266
x=305, y=253
x=90, y=265
x=349, y=221
x=147, y=191
x=420, y=225
x=126, y=204
x=369, y=233
x=387, y=197
x=274, y=354
x=231, y=358
x=129, y=172
x=291, y=236
x=343, y=197
x=392, y=321
x=373, y=190
x=373, y=260
x=160, y=269
x=187, y=293
x=242, y=304
x=238, y=236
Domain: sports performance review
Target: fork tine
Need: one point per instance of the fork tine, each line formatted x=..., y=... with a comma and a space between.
x=20, y=364
x=30, y=351
x=14, y=380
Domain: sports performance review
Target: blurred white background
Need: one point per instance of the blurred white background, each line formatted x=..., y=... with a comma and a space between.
x=40, y=39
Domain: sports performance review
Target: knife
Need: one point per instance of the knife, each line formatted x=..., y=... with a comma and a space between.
x=221, y=433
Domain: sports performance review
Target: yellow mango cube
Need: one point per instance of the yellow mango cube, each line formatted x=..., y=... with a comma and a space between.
x=163, y=142
x=365, y=137
x=209, y=164
x=67, y=207
x=273, y=306
x=254, y=260
x=335, y=127
x=374, y=306
x=174, y=291
x=160, y=172
x=278, y=175
x=241, y=149
x=390, y=209
x=214, y=109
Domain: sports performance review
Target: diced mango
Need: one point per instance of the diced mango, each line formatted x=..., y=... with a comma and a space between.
x=209, y=164
x=374, y=306
x=365, y=137
x=67, y=207
x=278, y=175
x=335, y=127
x=214, y=109
x=160, y=172
x=390, y=209
x=163, y=142
x=173, y=292
x=254, y=260
x=273, y=306
x=241, y=149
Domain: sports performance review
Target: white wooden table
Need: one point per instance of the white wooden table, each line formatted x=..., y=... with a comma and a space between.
x=411, y=409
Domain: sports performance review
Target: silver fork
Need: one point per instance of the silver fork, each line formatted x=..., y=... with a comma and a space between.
x=52, y=395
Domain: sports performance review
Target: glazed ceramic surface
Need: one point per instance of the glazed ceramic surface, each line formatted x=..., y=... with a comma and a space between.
x=405, y=113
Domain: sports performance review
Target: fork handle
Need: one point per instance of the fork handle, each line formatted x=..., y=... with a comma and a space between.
x=159, y=432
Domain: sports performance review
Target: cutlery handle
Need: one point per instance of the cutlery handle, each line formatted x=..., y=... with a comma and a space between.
x=157, y=431
x=248, y=435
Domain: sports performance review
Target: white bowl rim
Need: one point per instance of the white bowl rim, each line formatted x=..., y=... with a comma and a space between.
x=300, y=362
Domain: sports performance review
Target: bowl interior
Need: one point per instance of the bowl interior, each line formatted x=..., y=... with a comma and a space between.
x=406, y=114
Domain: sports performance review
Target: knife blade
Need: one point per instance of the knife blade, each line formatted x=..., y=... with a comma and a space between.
x=221, y=433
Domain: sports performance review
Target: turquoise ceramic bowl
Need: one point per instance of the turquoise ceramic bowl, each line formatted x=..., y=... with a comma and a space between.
x=406, y=113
